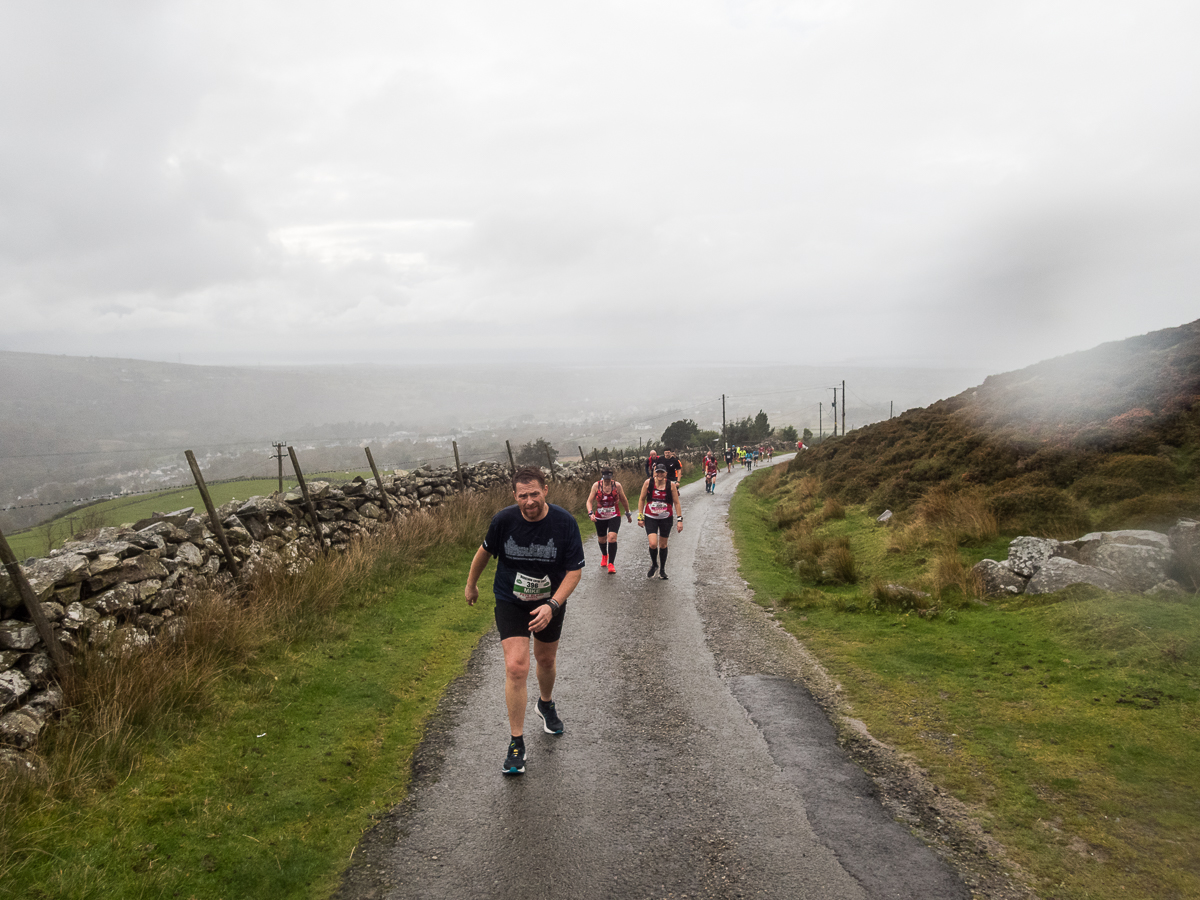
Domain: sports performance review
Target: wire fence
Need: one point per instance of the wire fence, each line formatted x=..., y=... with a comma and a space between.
x=398, y=454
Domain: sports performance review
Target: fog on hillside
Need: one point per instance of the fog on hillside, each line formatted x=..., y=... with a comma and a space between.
x=80, y=427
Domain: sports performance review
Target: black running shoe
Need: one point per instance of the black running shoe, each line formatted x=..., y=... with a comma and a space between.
x=653, y=569
x=551, y=723
x=663, y=575
x=514, y=759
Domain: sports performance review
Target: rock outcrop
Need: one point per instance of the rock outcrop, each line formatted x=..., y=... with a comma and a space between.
x=1136, y=561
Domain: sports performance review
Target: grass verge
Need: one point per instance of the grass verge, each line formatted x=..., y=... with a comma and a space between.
x=1070, y=723
x=246, y=760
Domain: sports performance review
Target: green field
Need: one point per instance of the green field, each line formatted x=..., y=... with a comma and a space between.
x=38, y=541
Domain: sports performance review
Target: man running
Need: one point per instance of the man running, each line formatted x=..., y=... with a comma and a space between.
x=540, y=560
x=710, y=473
x=728, y=459
x=603, y=506
x=674, y=466
x=655, y=503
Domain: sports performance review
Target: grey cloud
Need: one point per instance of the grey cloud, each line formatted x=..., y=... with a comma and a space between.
x=813, y=180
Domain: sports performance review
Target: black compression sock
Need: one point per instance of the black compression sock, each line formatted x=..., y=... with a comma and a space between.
x=603, y=547
x=612, y=551
x=662, y=557
x=654, y=555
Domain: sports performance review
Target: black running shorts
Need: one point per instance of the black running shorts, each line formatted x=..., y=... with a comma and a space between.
x=660, y=526
x=512, y=620
x=608, y=526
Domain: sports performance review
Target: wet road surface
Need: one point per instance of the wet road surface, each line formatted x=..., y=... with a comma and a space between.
x=694, y=762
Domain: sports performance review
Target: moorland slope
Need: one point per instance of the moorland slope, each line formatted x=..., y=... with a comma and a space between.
x=1104, y=438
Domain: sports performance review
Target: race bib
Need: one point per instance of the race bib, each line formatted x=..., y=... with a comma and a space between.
x=606, y=512
x=526, y=587
x=657, y=509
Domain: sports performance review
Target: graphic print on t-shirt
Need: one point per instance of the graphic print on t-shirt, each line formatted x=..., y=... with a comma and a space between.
x=515, y=551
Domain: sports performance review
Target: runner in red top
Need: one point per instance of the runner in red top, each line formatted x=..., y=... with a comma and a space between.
x=604, y=508
x=659, y=496
x=710, y=474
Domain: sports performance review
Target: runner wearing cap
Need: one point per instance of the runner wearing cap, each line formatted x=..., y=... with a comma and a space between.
x=604, y=509
x=655, y=503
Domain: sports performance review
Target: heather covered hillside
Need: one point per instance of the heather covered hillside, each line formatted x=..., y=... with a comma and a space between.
x=1105, y=438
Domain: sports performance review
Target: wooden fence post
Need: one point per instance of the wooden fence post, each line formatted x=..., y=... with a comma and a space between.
x=387, y=506
x=511, y=461
x=218, y=530
x=308, y=504
x=462, y=482
x=550, y=462
x=57, y=655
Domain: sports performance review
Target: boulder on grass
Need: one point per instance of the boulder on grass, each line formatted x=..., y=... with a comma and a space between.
x=998, y=579
x=1057, y=573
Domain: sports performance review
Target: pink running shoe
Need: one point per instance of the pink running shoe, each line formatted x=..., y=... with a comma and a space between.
x=612, y=570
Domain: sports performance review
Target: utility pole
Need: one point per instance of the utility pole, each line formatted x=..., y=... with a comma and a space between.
x=724, y=442
x=279, y=445
x=835, y=390
x=821, y=421
x=843, y=406
x=891, y=408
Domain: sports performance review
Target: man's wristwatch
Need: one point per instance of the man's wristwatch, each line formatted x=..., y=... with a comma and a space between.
x=555, y=606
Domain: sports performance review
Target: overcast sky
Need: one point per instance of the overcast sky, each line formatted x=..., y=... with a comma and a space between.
x=735, y=181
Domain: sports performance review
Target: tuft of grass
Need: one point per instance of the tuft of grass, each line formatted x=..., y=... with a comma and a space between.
x=838, y=562
x=831, y=509
x=1041, y=510
x=958, y=516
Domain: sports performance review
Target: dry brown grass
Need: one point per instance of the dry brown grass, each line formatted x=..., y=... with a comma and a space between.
x=952, y=578
x=832, y=509
x=960, y=517
x=838, y=562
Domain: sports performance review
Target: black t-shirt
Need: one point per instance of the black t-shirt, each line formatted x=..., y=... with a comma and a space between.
x=532, y=558
x=673, y=466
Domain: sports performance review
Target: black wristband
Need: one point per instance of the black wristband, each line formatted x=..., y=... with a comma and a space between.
x=554, y=604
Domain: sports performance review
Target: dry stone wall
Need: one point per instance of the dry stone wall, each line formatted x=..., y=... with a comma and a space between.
x=120, y=588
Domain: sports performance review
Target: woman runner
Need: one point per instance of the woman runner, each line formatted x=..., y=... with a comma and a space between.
x=710, y=474
x=655, y=504
x=603, y=506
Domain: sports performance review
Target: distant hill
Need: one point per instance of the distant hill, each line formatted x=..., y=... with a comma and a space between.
x=72, y=427
x=1103, y=438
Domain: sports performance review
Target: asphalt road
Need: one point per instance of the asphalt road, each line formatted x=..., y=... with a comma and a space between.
x=694, y=762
